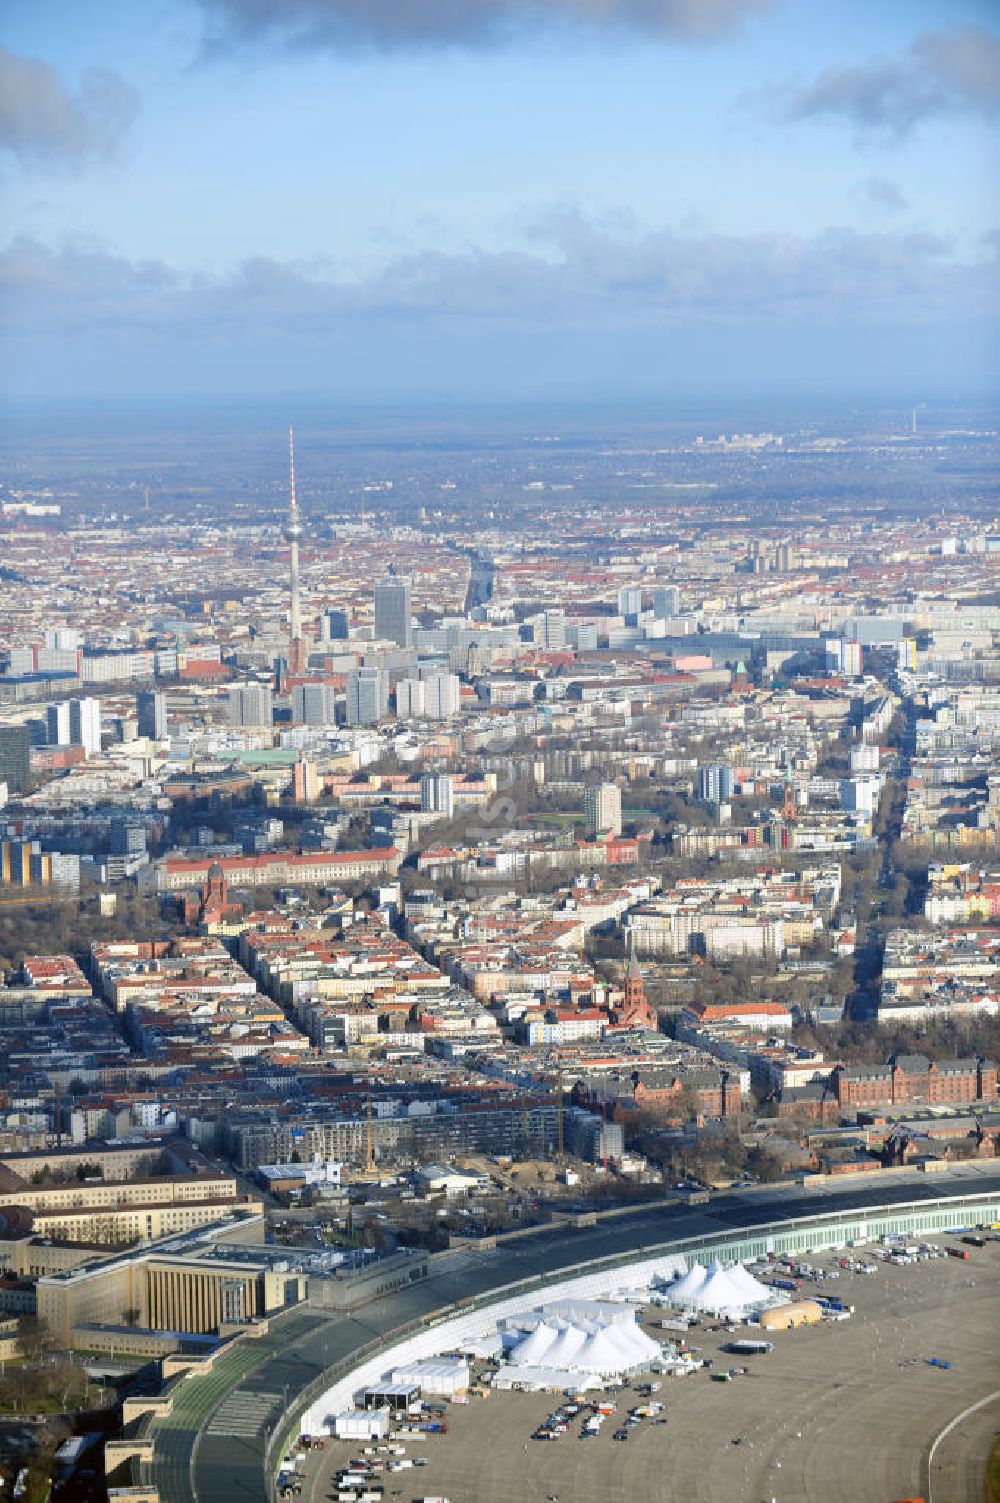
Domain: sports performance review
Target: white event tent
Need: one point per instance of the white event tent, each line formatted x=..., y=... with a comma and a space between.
x=719, y=1290
x=574, y=1345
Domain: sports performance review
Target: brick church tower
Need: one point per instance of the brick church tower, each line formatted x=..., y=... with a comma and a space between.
x=635, y=1011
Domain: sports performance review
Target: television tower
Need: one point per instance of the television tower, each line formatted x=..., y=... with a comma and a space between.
x=293, y=532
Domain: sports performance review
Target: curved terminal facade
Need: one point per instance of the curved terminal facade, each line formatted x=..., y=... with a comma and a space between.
x=228, y=1425
x=637, y=1271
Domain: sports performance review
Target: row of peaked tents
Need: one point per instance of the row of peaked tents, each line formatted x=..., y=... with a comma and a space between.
x=719, y=1290
x=592, y=1337
x=573, y=1342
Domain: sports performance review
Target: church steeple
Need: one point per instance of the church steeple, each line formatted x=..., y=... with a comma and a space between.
x=635, y=987
x=635, y=1011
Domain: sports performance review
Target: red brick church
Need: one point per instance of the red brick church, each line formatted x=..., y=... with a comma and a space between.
x=211, y=904
x=635, y=1011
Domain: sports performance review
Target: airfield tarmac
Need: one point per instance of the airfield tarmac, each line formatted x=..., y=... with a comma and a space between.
x=844, y=1412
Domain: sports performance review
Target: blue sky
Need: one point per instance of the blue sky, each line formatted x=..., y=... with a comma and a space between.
x=502, y=198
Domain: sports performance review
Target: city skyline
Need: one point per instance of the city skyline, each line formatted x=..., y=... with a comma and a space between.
x=620, y=834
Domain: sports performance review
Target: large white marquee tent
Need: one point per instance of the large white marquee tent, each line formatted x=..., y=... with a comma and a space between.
x=474, y=1330
x=720, y=1291
x=573, y=1345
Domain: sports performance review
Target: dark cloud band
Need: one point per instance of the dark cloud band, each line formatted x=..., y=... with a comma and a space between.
x=441, y=23
x=941, y=73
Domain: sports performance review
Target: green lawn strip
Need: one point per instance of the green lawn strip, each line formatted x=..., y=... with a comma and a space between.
x=194, y=1397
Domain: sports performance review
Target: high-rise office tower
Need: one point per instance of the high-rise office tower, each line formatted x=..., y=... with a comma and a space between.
x=15, y=757
x=715, y=783
x=550, y=631
x=305, y=781
x=367, y=696
x=293, y=532
x=393, y=621
x=250, y=704
x=410, y=698
x=437, y=794
x=603, y=808
x=906, y=655
x=85, y=725
x=583, y=636
x=666, y=602
x=441, y=695
x=151, y=711
x=313, y=704
x=844, y=655
x=630, y=602
x=57, y=727
x=127, y=839
x=853, y=659
x=337, y=625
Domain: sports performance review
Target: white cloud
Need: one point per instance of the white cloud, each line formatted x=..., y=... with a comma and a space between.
x=575, y=277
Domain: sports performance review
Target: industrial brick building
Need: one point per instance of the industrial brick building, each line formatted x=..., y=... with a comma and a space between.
x=915, y=1078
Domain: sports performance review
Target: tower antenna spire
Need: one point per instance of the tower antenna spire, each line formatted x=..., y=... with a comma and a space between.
x=293, y=532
